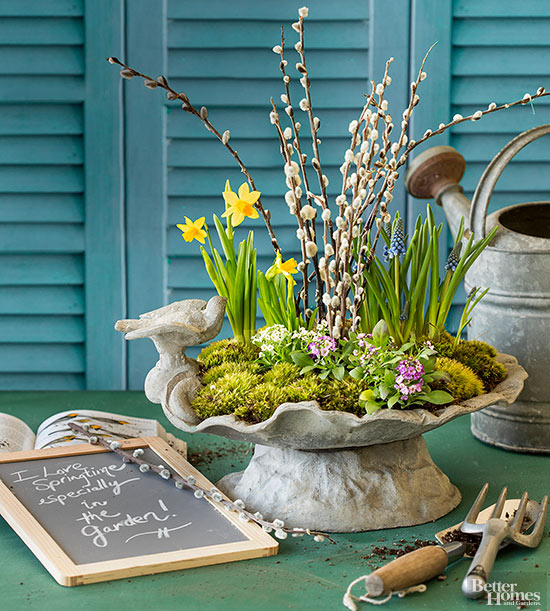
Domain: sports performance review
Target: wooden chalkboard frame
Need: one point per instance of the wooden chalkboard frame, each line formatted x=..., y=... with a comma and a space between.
x=67, y=573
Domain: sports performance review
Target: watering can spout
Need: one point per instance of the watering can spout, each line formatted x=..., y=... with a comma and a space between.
x=436, y=174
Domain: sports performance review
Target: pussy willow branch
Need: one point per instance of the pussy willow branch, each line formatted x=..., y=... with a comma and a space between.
x=172, y=94
x=128, y=457
x=302, y=224
x=310, y=225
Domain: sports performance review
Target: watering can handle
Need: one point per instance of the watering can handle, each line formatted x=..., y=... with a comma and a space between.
x=484, y=189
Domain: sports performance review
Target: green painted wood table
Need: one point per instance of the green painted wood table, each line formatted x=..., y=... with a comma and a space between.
x=305, y=574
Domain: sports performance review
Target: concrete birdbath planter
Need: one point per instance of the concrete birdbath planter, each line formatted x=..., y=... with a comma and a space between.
x=324, y=470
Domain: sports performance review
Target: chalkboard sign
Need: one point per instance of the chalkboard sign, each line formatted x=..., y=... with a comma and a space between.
x=90, y=517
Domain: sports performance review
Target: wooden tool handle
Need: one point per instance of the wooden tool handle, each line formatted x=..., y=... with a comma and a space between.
x=408, y=570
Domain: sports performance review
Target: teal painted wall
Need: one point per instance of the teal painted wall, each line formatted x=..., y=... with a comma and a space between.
x=95, y=172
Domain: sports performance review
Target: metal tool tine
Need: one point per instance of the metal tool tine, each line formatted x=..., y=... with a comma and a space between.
x=520, y=513
x=499, y=505
x=476, y=507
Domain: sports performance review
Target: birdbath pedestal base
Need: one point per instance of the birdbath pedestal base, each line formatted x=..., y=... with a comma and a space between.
x=345, y=490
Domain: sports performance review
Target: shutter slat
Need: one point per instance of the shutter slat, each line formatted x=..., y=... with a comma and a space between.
x=40, y=88
x=41, y=60
x=37, y=31
x=51, y=8
x=41, y=300
x=48, y=207
x=42, y=358
x=252, y=64
x=501, y=32
x=40, y=119
x=500, y=61
x=282, y=11
x=32, y=237
x=22, y=270
x=261, y=34
x=42, y=329
x=41, y=150
x=41, y=179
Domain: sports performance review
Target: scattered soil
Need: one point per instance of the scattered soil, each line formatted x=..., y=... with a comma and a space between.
x=471, y=542
x=206, y=456
x=400, y=548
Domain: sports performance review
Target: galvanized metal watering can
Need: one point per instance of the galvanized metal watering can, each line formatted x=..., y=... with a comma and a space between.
x=514, y=316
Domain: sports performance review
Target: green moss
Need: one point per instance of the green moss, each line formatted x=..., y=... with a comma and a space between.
x=227, y=351
x=478, y=356
x=261, y=402
x=219, y=371
x=281, y=374
x=226, y=394
x=464, y=383
x=342, y=396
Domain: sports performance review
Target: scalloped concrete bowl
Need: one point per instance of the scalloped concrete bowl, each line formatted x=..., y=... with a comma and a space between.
x=336, y=472
x=304, y=426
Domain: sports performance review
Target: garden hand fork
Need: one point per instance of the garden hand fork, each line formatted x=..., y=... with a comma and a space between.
x=495, y=531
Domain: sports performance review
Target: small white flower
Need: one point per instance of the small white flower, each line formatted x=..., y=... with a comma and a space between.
x=303, y=12
x=277, y=49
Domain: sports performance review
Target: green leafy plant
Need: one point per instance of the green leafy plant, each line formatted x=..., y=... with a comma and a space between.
x=409, y=294
x=235, y=278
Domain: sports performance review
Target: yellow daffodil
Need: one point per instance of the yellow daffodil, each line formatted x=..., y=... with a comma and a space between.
x=241, y=205
x=287, y=268
x=193, y=230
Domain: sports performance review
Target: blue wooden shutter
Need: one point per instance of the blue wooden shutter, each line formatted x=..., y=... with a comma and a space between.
x=497, y=51
x=58, y=275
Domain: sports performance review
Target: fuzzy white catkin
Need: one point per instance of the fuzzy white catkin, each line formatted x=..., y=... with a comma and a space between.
x=308, y=212
x=303, y=12
x=340, y=222
x=352, y=126
x=365, y=146
x=287, y=133
x=335, y=301
x=289, y=197
x=292, y=169
x=477, y=115
x=332, y=266
x=325, y=180
x=303, y=104
x=492, y=106
x=284, y=98
x=379, y=89
x=356, y=203
x=272, y=117
x=329, y=250
x=326, y=215
x=277, y=49
x=298, y=46
x=226, y=135
x=298, y=189
x=384, y=105
x=286, y=79
x=423, y=75
x=326, y=299
x=311, y=249
x=340, y=200
x=458, y=117
x=348, y=156
x=300, y=234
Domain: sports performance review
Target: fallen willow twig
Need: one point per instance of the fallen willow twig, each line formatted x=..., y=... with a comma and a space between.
x=276, y=526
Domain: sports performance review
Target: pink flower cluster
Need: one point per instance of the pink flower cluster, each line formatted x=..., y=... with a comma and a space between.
x=322, y=346
x=410, y=380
